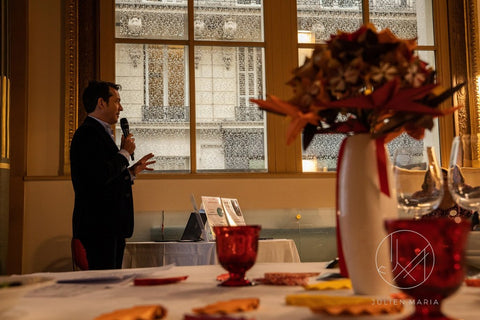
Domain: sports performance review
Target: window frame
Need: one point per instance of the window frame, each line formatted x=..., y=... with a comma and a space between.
x=279, y=36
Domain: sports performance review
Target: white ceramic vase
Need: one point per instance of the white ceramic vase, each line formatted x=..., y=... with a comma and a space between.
x=362, y=211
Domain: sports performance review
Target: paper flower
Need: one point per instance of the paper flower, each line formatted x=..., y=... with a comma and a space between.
x=362, y=82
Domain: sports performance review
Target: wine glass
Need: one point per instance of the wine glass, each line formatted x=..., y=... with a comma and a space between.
x=427, y=260
x=463, y=179
x=419, y=182
x=237, y=248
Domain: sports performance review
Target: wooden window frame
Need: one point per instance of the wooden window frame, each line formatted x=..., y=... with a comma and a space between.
x=453, y=66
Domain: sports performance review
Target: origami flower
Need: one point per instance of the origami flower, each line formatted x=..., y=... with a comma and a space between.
x=362, y=82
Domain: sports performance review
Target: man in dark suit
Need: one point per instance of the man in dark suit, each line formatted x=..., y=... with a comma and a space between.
x=102, y=181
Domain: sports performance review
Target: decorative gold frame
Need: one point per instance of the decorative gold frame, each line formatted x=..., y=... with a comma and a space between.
x=468, y=120
x=71, y=79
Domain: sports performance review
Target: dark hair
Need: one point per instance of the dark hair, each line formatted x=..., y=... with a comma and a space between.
x=95, y=90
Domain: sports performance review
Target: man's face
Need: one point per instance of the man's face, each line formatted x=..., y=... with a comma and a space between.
x=112, y=108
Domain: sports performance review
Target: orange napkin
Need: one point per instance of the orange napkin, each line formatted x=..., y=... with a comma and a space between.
x=340, y=305
x=214, y=317
x=147, y=312
x=330, y=285
x=288, y=278
x=230, y=306
x=360, y=309
x=314, y=300
x=472, y=282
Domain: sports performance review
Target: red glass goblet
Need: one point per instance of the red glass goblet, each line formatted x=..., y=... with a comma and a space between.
x=237, y=251
x=427, y=258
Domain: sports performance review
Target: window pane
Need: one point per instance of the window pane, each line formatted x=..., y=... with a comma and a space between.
x=407, y=19
x=154, y=80
x=238, y=20
x=427, y=56
x=231, y=134
x=304, y=54
x=431, y=137
x=321, y=154
x=317, y=20
x=151, y=19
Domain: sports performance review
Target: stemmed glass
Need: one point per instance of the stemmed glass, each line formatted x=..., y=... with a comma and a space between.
x=463, y=179
x=419, y=182
x=237, y=252
x=427, y=260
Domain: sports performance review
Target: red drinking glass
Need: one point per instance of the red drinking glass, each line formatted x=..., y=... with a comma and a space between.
x=237, y=251
x=427, y=258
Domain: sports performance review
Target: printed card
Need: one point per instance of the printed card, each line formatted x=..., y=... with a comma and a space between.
x=233, y=212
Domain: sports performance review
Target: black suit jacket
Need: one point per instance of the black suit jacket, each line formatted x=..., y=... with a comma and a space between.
x=102, y=184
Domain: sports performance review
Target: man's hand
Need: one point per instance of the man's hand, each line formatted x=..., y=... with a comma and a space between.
x=142, y=164
x=128, y=143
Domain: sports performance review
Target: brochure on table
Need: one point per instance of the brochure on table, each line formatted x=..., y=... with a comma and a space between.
x=233, y=212
x=221, y=212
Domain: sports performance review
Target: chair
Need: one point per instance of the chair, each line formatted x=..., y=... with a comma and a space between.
x=79, y=255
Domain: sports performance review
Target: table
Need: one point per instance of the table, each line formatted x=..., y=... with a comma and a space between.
x=154, y=254
x=82, y=302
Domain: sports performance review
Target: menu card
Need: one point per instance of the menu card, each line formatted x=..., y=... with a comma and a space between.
x=222, y=212
x=215, y=214
x=233, y=212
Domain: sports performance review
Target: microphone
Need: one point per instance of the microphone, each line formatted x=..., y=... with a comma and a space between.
x=125, y=129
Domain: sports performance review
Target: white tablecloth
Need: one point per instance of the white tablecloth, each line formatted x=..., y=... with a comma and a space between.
x=277, y=250
x=154, y=254
x=85, y=302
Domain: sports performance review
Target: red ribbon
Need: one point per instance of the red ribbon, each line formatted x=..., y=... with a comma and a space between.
x=341, y=259
x=383, y=182
x=382, y=166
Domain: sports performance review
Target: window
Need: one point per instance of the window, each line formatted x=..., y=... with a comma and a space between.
x=224, y=131
x=188, y=69
x=317, y=20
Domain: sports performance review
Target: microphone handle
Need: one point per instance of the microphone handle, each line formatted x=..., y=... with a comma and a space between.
x=126, y=132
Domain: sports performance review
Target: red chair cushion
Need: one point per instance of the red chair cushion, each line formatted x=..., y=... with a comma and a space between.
x=79, y=254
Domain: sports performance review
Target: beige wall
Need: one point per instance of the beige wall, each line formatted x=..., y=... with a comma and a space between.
x=47, y=203
x=47, y=229
x=45, y=96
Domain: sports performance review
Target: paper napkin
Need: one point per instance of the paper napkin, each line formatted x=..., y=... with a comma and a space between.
x=146, y=312
x=340, y=305
x=230, y=306
x=330, y=285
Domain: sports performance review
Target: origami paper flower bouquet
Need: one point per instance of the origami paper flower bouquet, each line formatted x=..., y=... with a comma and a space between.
x=362, y=82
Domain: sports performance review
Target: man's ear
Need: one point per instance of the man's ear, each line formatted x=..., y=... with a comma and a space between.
x=100, y=103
